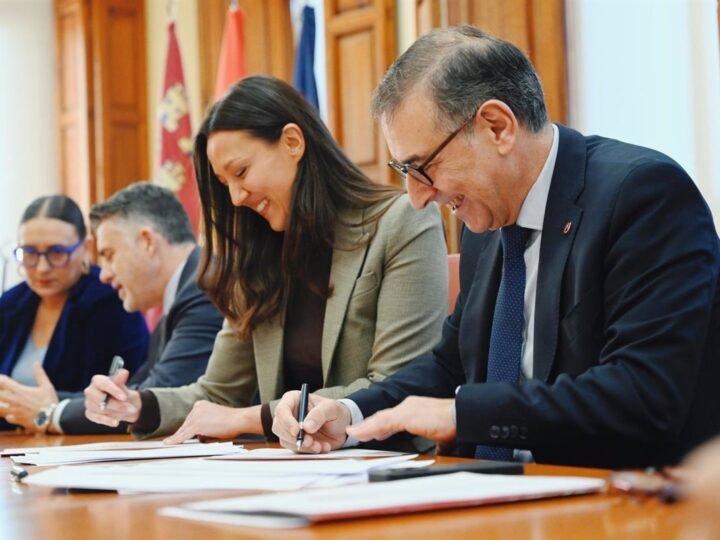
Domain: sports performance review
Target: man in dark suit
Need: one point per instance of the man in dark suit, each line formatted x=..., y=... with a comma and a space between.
x=147, y=252
x=587, y=330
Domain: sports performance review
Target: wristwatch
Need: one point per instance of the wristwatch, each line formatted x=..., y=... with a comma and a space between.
x=43, y=417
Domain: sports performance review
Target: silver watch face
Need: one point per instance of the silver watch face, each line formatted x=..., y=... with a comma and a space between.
x=41, y=419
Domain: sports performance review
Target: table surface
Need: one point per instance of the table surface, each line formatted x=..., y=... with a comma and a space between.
x=36, y=512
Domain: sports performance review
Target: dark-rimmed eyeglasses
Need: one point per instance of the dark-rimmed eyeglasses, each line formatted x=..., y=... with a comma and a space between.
x=418, y=171
x=56, y=256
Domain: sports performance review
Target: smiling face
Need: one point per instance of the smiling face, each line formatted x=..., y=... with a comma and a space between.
x=41, y=233
x=127, y=263
x=472, y=174
x=258, y=175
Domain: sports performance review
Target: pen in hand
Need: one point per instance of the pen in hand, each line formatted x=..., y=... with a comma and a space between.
x=116, y=365
x=302, y=411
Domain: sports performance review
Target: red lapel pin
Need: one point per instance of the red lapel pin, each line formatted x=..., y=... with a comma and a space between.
x=567, y=227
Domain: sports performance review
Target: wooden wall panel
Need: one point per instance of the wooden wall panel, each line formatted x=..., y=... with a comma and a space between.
x=74, y=108
x=268, y=40
x=357, y=129
x=101, y=104
x=361, y=45
x=349, y=5
x=120, y=95
x=537, y=27
x=428, y=16
x=211, y=23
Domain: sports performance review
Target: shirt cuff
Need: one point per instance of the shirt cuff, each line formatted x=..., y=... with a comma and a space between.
x=356, y=416
x=149, y=419
x=55, y=418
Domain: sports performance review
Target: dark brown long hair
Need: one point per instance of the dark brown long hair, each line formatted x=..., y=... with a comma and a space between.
x=247, y=267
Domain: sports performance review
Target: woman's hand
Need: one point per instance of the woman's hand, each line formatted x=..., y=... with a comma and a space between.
x=217, y=421
x=19, y=404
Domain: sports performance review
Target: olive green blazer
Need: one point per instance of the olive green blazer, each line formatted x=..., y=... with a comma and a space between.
x=388, y=304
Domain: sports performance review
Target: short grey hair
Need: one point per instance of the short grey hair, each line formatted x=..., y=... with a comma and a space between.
x=462, y=67
x=147, y=204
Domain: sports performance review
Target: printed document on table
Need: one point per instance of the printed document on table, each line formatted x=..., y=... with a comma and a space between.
x=203, y=474
x=125, y=445
x=164, y=452
x=285, y=454
x=462, y=489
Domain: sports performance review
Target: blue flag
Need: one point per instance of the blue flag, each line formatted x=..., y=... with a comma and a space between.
x=304, y=79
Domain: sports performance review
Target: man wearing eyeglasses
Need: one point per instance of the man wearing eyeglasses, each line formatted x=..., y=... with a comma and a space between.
x=587, y=328
x=147, y=253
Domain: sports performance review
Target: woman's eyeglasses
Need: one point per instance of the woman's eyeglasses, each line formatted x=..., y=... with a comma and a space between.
x=56, y=256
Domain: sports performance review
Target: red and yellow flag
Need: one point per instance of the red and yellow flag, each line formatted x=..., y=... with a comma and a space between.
x=175, y=170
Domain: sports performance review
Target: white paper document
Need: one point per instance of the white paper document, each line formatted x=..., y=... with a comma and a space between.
x=462, y=489
x=126, y=445
x=59, y=457
x=204, y=474
x=285, y=454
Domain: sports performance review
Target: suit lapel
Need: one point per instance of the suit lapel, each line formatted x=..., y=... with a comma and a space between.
x=154, y=352
x=347, y=263
x=562, y=221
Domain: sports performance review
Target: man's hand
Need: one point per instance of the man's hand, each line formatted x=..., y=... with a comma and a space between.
x=324, y=425
x=123, y=405
x=431, y=418
x=701, y=474
x=217, y=421
x=19, y=403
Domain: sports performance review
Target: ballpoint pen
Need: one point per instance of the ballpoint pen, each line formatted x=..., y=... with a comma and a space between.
x=302, y=411
x=115, y=366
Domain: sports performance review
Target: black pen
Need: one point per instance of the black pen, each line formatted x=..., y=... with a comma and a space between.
x=302, y=411
x=115, y=366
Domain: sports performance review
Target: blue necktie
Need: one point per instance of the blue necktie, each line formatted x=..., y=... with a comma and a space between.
x=506, y=335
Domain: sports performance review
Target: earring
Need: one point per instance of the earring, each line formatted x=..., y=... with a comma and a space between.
x=85, y=268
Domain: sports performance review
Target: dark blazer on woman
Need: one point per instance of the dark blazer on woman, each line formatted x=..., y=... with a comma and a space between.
x=92, y=328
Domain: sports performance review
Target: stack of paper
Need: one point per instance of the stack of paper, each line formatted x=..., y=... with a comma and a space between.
x=268, y=454
x=284, y=510
x=65, y=455
x=127, y=445
x=202, y=474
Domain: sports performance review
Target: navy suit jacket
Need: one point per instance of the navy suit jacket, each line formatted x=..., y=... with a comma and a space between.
x=627, y=322
x=179, y=349
x=92, y=328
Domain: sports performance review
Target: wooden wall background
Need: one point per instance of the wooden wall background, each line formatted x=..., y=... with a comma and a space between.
x=102, y=111
x=101, y=103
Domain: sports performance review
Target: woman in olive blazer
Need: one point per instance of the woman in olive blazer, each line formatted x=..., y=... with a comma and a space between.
x=320, y=272
x=388, y=305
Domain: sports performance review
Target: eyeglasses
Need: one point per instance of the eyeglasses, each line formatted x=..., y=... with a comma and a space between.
x=56, y=256
x=418, y=171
